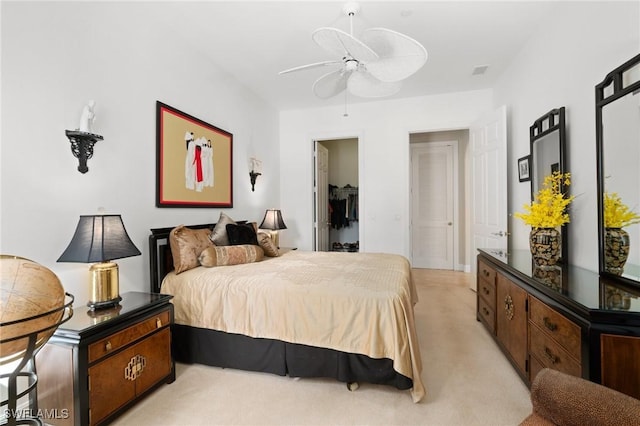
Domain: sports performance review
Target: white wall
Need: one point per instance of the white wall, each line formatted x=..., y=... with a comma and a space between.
x=560, y=66
x=383, y=130
x=57, y=56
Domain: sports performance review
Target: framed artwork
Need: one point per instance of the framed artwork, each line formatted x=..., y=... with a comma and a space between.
x=193, y=161
x=523, y=168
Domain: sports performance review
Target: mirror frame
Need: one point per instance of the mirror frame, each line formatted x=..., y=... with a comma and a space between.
x=612, y=83
x=553, y=121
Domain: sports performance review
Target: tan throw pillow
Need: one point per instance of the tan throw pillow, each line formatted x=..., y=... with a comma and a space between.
x=230, y=255
x=267, y=244
x=186, y=245
x=219, y=234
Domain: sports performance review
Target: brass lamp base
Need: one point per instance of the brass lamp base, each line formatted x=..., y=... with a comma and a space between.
x=275, y=237
x=103, y=285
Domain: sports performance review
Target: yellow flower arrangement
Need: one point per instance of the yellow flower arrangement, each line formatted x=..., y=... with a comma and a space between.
x=616, y=213
x=549, y=209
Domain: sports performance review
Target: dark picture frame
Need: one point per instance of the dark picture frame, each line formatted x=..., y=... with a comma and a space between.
x=194, y=161
x=524, y=168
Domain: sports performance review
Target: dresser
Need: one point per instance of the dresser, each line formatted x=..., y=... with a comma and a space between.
x=566, y=318
x=101, y=362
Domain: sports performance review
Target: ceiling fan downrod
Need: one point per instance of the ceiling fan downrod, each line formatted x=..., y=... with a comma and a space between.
x=350, y=9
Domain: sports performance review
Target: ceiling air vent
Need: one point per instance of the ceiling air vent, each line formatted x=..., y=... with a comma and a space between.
x=479, y=70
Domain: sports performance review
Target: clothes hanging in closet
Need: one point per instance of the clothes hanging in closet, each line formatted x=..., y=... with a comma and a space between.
x=343, y=205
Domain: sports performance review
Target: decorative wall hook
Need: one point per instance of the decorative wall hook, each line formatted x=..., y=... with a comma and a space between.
x=82, y=146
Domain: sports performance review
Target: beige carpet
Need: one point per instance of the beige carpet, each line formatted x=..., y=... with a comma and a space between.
x=468, y=380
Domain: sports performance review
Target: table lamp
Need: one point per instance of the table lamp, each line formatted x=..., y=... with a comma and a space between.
x=273, y=222
x=100, y=240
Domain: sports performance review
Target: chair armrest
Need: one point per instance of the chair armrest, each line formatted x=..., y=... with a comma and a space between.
x=570, y=400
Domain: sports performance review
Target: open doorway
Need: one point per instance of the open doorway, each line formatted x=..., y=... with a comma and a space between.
x=438, y=202
x=336, y=189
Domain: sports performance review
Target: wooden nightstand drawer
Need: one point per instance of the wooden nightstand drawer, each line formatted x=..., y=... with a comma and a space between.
x=550, y=354
x=486, y=272
x=117, y=340
x=120, y=378
x=561, y=329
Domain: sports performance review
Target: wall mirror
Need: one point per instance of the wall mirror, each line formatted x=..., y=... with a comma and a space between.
x=547, y=138
x=618, y=160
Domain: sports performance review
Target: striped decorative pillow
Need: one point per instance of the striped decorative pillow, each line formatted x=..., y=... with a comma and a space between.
x=230, y=255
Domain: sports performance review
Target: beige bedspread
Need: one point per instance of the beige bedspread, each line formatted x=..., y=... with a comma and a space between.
x=351, y=302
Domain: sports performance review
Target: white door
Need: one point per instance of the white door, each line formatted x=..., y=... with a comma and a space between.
x=489, y=216
x=432, y=205
x=321, y=191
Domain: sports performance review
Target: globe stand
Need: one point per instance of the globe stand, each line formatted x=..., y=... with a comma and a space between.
x=26, y=368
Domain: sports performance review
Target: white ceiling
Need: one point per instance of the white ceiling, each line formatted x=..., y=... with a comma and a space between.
x=253, y=41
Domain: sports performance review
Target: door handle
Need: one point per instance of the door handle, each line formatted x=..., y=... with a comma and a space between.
x=501, y=234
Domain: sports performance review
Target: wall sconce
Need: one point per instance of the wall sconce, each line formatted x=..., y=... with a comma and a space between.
x=82, y=139
x=82, y=147
x=256, y=170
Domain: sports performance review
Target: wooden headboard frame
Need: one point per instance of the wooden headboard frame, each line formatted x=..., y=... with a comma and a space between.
x=160, y=257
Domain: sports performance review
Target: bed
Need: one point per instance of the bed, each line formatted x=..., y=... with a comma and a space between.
x=347, y=316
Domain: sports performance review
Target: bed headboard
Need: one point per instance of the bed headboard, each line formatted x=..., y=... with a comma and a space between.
x=160, y=257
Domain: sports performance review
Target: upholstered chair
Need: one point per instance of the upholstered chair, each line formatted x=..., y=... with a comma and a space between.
x=561, y=399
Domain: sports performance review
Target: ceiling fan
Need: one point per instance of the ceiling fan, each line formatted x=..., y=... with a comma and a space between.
x=371, y=66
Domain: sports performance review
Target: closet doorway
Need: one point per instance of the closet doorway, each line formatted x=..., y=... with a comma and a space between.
x=336, y=187
x=437, y=201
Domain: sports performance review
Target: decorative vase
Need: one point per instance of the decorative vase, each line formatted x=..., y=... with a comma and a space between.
x=616, y=250
x=545, y=244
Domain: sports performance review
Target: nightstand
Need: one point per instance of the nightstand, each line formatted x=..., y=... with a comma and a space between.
x=101, y=362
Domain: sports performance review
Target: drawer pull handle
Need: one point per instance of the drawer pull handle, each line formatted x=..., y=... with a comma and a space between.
x=158, y=323
x=550, y=356
x=485, y=311
x=485, y=272
x=107, y=346
x=551, y=326
x=135, y=367
x=485, y=290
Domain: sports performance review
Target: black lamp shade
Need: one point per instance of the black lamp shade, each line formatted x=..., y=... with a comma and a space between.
x=99, y=239
x=273, y=220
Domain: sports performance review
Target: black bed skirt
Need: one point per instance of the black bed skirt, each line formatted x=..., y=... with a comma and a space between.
x=210, y=347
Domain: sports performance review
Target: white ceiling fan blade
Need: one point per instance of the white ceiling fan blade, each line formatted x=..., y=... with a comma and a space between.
x=340, y=43
x=330, y=84
x=363, y=84
x=399, y=55
x=310, y=66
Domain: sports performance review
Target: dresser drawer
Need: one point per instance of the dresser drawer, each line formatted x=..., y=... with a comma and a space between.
x=550, y=354
x=562, y=330
x=117, y=340
x=487, y=315
x=487, y=291
x=486, y=272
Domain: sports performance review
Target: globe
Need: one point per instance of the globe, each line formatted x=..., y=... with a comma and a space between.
x=27, y=289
